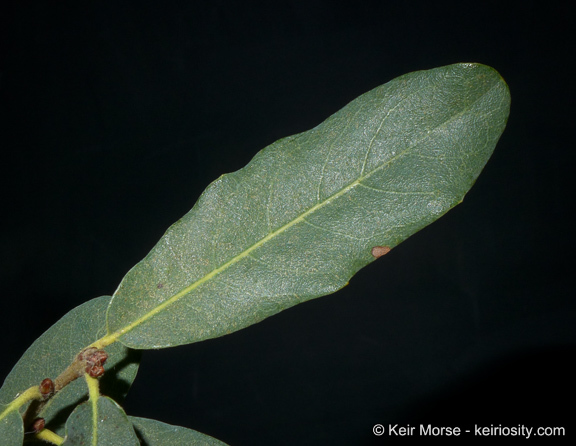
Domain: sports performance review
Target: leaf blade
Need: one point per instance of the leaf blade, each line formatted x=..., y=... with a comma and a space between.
x=302, y=217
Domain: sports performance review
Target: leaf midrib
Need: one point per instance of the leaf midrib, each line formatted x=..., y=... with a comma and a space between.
x=113, y=337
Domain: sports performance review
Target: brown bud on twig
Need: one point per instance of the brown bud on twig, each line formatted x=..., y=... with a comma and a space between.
x=46, y=388
x=99, y=357
x=90, y=361
x=95, y=361
x=38, y=425
x=95, y=370
x=86, y=353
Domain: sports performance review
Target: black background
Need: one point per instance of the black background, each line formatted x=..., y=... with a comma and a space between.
x=116, y=115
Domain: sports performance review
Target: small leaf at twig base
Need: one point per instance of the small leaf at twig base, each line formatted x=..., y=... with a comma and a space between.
x=56, y=349
x=109, y=425
x=155, y=433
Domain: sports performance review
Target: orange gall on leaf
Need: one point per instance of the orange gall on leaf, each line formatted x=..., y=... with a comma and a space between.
x=379, y=251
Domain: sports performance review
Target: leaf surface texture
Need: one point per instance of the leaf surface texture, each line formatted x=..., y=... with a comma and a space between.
x=303, y=216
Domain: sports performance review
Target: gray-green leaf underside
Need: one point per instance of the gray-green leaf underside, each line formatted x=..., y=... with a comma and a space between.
x=155, y=433
x=109, y=426
x=302, y=217
x=52, y=352
x=11, y=428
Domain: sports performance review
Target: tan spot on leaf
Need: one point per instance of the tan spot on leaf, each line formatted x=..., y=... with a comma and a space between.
x=379, y=251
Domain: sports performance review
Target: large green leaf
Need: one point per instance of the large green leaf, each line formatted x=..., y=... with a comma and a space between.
x=303, y=216
x=52, y=352
x=155, y=433
x=107, y=425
